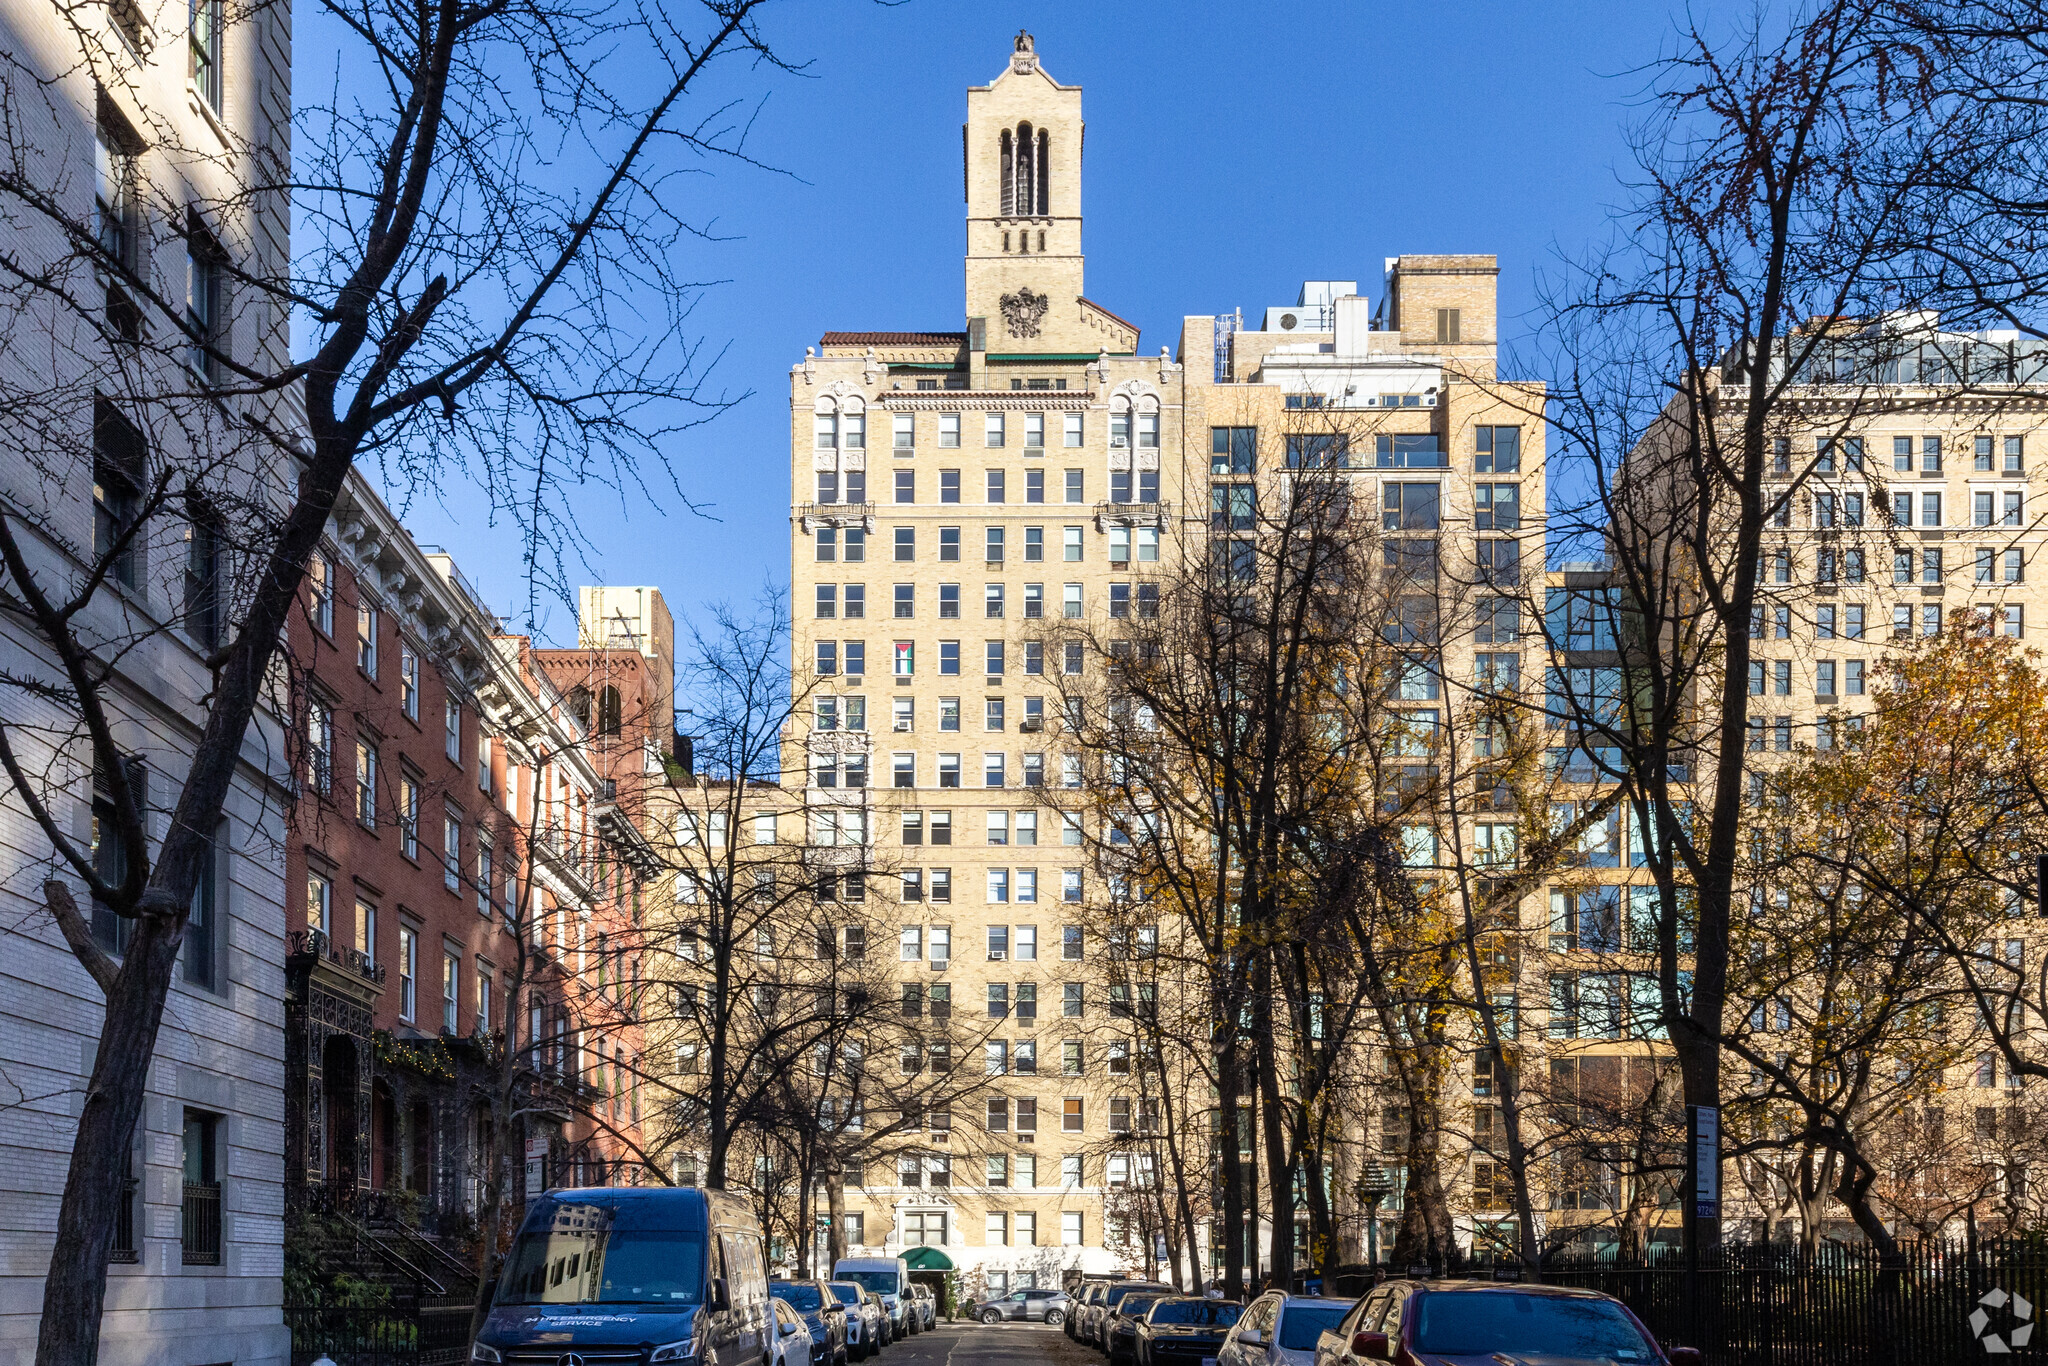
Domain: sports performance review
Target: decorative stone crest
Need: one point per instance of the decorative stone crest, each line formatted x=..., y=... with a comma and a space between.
x=1023, y=311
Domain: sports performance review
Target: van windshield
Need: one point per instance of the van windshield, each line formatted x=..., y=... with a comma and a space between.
x=576, y=1252
x=881, y=1282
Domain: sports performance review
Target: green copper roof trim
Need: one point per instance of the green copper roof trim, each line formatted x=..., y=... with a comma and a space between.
x=995, y=357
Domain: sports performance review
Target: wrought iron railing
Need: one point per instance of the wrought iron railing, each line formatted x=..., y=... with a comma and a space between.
x=200, y=1227
x=320, y=944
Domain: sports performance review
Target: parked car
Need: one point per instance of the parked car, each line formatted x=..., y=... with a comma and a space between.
x=1095, y=1324
x=1120, y=1337
x=927, y=1304
x=1090, y=1293
x=664, y=1266
x=1184, y=1331
x=788, y=1335
x=1477, y=1323
x=1030, y=1306
x=863, y=1336
x=824, y=1317
x=888, y=1277
x=1280, y=1330
x=885, y=1328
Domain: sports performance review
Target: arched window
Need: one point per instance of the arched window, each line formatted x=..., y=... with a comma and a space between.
x=1044, y=198
x=579, y=705
x=1009, y=178
x=608, y=720
x=1027, y=172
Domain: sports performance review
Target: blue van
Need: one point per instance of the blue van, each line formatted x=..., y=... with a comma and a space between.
x=636, y=1275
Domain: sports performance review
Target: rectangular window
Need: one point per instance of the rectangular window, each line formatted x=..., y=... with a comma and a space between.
x=408, y=971
x=1496, y=507
x=203, y=606
x=1070, y=544
x=1073, y=1115
x=1498, y=451
x=906, y=544
x=451, y=852
x=992, y=429
x=366, y=784
x=949, y=486
x=1409, y=507
x=949, y=430
x=451, y=984
x=199, y=1231
x=1074, y=487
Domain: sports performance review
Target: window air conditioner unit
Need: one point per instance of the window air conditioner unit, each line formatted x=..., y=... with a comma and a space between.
x=853, y=680
x=1117, y=443
x=902, y=728
x=939, y=964
x=997, y=955
x=1032, y=724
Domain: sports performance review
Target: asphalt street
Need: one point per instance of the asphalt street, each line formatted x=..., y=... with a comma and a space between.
x=998, y=1344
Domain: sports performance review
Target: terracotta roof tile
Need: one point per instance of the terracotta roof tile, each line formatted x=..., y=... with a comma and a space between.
x=892, y=339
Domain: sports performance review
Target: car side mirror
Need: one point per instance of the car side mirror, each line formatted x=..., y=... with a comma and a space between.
x=490, y=1294
x=834, y=1307
x=1687, y=1356
x=1251, y=1337
x=716, y=1297
x=1371, y=1346
x=788, y=1330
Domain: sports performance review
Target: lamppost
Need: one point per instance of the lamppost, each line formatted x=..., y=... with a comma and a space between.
x=1374, y=1187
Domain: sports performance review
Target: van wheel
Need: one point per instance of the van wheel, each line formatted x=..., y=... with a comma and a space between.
x=1054, y=1318
x=991, y=1316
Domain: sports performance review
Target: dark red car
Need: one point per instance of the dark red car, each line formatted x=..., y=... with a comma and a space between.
x=1480, y=1323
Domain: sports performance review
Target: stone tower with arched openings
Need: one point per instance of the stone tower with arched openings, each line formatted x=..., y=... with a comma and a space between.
x=1022, y=164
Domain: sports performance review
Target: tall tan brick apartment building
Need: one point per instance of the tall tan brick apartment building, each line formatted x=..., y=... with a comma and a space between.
x=961, y=494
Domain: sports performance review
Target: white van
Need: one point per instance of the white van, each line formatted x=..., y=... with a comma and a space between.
x=888, y=1277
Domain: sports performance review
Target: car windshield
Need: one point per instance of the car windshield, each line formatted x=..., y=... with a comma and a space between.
x=804, y=1298
x=844, y=1293
x=1552, y=1325
x=881, y=1282
x=1302, y=1324
x=584, y=1252
x=1135, y=1305
x=1207, y=1313
x=1114, y=1296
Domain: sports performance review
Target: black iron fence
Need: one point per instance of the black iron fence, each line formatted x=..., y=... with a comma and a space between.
x=429, y=1332
x=1938, y=1304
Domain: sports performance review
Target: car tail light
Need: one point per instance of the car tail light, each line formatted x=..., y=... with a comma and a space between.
x=1371, y=1346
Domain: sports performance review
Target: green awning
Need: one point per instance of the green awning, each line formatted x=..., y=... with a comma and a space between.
x=927, y=1259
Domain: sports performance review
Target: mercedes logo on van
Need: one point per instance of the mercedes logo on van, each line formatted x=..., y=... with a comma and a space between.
x=569, y=1359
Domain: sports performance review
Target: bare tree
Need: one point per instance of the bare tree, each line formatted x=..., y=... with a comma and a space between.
x=461, y=310
x=1780, y=173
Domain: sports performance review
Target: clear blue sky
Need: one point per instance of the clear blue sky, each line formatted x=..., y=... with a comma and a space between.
x=1233, y=151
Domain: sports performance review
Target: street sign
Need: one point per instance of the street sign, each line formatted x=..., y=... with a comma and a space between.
x=1706, y=1162
x=536, y=1167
